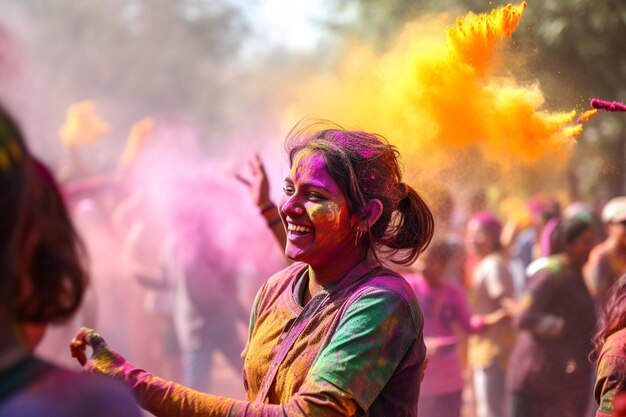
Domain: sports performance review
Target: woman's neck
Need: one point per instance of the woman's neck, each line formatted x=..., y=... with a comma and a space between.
x=322, y=276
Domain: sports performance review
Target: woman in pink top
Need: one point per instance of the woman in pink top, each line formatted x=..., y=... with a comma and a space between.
x=445, y=307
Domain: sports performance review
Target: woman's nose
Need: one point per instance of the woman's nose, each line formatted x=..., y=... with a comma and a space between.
x=291, y=206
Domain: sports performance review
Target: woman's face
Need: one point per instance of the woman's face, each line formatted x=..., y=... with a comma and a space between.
x=478, y=240
x=580, y=248
x=314, y=209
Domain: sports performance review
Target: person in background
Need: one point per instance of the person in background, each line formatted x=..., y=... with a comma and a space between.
x=556, y=322
x=610, y=352
x=444, y=306
x=607, y=261
x=42, y=280
x=336, y=333
x=491, y=289
x=532, y=243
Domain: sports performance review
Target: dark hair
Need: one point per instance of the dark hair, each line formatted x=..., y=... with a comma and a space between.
x=545, y=206
x=613, y=317
x=566, y=233
x=41, y=256
x=366, y=167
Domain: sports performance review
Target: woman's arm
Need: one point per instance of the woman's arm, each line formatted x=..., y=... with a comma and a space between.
x=259, y=188
x=610, y=380
x=472, y=323
x=349, y=374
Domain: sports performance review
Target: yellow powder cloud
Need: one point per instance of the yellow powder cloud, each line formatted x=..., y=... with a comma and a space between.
x=443, y=90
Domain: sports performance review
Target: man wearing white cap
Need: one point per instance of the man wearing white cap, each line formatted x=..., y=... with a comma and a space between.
x=607, y=261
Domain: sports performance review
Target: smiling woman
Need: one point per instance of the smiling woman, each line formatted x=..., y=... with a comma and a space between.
x=335, y=333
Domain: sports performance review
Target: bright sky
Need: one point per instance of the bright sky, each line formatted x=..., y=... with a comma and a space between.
x=288, y=23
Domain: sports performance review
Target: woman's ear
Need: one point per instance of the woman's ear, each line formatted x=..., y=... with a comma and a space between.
x=375, y=211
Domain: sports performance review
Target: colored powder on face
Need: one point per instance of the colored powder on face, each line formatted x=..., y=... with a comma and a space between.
x=608, y=106
x=437, y=91
x=588, y=115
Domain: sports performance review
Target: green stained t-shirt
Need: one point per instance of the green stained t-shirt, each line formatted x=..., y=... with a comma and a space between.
x=355, y=347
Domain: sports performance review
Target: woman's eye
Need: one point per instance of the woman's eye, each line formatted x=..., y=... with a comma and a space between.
x=287, y=189
x=315, y=196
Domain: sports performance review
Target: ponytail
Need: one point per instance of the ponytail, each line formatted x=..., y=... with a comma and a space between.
x=411, y=229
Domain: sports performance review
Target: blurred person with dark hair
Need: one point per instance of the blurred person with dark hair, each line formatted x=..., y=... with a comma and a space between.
x=610, y=351
x=445, y=308
x=533, y=242
x=607, y=261
x=491, y=289
x=556, y=322
x=42, y=280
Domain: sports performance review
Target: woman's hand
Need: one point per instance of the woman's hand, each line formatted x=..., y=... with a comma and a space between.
x=83, y=338
x=258, y=184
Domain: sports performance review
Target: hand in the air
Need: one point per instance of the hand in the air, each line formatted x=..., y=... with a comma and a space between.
x=258, y=184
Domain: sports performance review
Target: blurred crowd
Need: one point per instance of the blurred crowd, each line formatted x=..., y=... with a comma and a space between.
x=512, y=305
x=513, y=300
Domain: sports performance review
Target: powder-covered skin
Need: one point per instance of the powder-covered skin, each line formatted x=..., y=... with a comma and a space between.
x=313, y=199
x=355, y=346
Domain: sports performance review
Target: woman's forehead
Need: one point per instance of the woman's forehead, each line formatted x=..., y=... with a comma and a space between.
x=308, y=163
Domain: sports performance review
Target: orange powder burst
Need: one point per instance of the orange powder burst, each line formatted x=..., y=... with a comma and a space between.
x=588, y=115
x=82, y=124
x=442, y=89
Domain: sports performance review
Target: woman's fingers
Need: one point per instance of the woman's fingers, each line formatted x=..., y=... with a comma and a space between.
x=243, y=180
x=78, y=346
x=84, y=337
x=94, y=340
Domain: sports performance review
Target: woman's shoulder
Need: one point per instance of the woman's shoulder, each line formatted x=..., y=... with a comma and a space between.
x=388, y=293
x=62, y=392
x=390, y=285
x=615, y=344
x=545, y=268
x=384, y=279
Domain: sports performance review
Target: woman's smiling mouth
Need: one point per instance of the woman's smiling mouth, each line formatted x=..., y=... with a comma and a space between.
x=296, y=231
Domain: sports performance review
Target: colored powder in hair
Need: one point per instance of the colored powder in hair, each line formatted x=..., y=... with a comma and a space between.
x=607, y=105
x=437, y=91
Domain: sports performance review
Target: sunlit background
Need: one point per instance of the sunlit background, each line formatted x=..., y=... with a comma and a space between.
x=214, y=82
